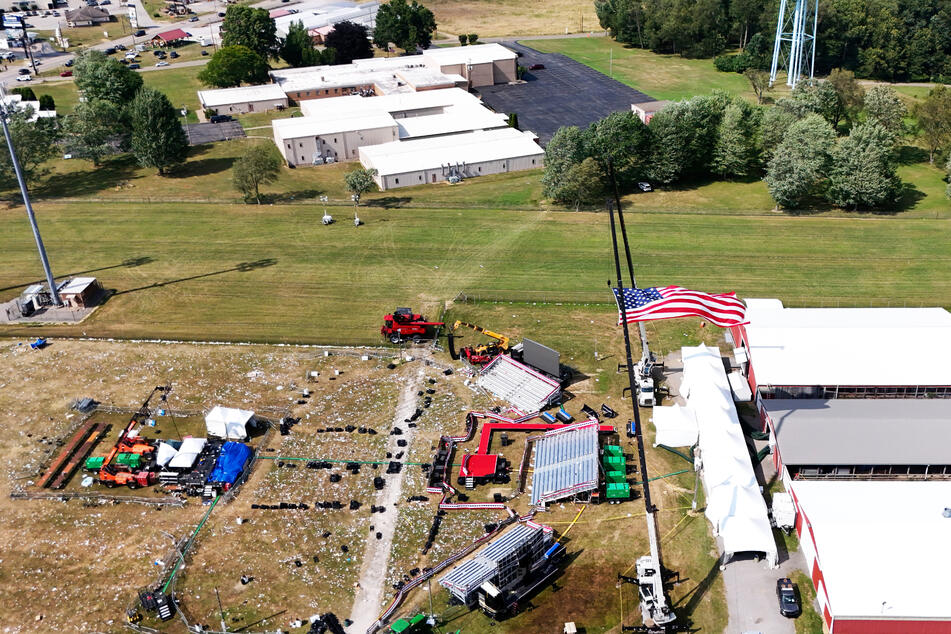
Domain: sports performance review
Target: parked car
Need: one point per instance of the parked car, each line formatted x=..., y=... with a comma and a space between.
x=125, y=60
x=24, y=71
x=221, y=14
x=537, y=67
x=204, y=52
x=645, y=187
x=110, y=51
x=66, y=73
x=174, y=55
x=24, y=78
x=788, y=601
x=134, y=66
x=194, y=18
x=161, y=64
x=159, y=54
x=121, y=47
x=103, y=3
x=140, y=33
x=221, y=118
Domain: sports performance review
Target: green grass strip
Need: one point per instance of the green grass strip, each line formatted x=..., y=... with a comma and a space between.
x=191, y=541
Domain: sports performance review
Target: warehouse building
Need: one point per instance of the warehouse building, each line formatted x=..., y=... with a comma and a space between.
x=480, y=65
x=312, y=140
x=335, y=128
x=243, y=100
x=844, y=352
x=452, y=158
x=323, y=17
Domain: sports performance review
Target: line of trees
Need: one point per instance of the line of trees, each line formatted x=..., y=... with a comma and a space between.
x=895, y=40
x=828, y=141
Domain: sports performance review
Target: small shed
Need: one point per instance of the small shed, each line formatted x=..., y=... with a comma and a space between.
x=227, y=422
x=169, y=37
x=80, y=292
x=648, y=109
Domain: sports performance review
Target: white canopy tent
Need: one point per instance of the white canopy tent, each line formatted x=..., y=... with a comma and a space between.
x=227, y=422
x=187, y=453
x=164, y=454
x=735, y=506
x=676, y=426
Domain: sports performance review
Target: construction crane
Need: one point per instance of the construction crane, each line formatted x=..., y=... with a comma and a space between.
x=656, y=611
x=482, y=353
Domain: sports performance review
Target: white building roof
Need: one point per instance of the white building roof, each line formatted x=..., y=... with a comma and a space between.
x=396, y=103
x=735, y=506
x=77, y=285
x=328, y=15
x=242, y=94
x=296, y=127
x=381, y=72
x=882, y=546
x=453, y=121
x=848, y=346
x=474, y=147
x=476, y=54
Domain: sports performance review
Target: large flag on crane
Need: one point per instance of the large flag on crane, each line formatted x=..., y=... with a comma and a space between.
x=669, y=302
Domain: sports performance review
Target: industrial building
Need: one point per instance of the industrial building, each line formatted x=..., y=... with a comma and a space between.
x=243, y=99
x=452, y=158
x=464, y=67
x=844, y=352
x=322, y=17
x=314, y=140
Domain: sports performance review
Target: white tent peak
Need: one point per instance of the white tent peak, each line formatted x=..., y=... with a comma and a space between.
x=228, y=422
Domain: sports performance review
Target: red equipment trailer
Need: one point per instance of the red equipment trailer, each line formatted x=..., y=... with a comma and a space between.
x=403, y=324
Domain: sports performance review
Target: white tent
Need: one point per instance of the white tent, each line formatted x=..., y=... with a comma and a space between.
x=676, y=426
x=735, y=506
x=227, y=422
x=187, y=453
x=165, y=453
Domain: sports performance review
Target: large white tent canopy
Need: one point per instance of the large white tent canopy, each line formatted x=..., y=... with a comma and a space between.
x=227, y=422
x=735, y=506
x=676, y=426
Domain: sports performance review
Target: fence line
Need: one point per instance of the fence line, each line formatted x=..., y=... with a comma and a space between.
x=74, y=495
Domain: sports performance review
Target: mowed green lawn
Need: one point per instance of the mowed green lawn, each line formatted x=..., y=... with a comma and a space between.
x=275, y=273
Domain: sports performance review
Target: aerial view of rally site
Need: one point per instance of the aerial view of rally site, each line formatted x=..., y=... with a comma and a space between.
x=473, y=317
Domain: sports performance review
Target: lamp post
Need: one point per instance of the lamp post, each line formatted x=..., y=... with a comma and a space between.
x=4, y=114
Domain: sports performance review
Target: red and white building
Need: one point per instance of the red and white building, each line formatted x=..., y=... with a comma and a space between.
x=857, y=402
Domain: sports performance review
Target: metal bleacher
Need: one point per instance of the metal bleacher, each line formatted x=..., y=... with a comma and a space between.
x=518, y=384
x=566, y=463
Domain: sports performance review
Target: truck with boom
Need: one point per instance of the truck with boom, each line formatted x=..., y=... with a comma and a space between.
x=403, y=324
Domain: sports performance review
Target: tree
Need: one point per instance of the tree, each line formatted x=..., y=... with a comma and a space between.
x=565, y=150
x=463, y=39
x=800, y=164
x=513, y=120
x=250, y=27
x=232, y=66
x=773, y=126
x=297, y=49
x=359, y=182
x=350, y=41
x=850, y=92
x=583, y=184
x=759, y=82
x=683, y=136
x=885, y=107
x=35, y=144
x=863, y=172
x=101, y=77
x=948, y=168
x=620, y=140
x=47, y=102
x=158, y=139
x=473, y=38
x=26, y=93
x=818, y=96
x=406, y=25
x=259, y=165
x=92, y=131
x=934, y=119
x=734, y=153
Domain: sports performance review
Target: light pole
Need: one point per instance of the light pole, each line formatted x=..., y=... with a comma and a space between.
x=4, y=113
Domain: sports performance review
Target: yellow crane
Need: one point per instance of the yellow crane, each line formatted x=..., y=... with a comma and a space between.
x=482, y=353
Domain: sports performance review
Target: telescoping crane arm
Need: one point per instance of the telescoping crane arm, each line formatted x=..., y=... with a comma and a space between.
x=503, y=341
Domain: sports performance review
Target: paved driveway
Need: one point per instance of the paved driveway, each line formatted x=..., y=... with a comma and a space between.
x=565, y=92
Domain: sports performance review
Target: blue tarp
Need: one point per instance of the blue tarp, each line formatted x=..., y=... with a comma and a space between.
x=230, y=462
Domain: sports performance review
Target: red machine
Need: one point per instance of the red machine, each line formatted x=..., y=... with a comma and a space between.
x=113, y=474
x=404, y=324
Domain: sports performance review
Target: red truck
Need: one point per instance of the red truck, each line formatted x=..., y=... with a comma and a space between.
x=403, y=324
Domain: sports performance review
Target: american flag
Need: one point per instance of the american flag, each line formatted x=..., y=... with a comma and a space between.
x=668, y=302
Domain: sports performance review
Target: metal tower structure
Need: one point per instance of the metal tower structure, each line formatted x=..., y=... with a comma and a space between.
x=4, y=113
x=795, y=47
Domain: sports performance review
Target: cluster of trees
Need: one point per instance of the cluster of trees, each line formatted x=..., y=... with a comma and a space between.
x=116, y=115
x=829, y=140
x=896, y=40
x=468, y=39
x=250, y=40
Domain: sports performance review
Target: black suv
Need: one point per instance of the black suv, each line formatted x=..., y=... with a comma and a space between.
x=788, y=601
x=221, y=118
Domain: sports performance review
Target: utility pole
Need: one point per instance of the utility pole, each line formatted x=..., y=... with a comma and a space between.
x=4, y=113
x=27, y=49
x=224, y=628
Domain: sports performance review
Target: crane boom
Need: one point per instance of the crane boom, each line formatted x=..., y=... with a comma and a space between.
x=503, y=341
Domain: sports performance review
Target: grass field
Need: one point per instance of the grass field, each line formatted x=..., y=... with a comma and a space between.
x=496, y=18
x=274, y=273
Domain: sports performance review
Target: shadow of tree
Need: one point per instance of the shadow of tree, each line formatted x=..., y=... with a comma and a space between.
x=241, y=267
x=110, y=173
x=388, y=202
x=202, y=167
x=295, y=195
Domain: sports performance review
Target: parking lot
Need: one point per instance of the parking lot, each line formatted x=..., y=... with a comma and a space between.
x=565, y=92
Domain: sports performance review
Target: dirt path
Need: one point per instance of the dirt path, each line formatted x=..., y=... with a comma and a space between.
x=369, y=598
